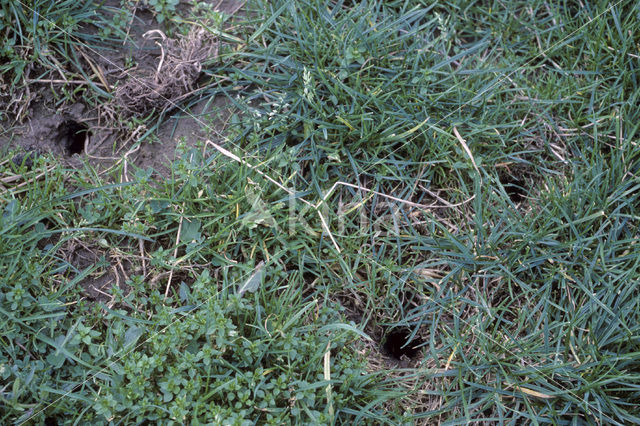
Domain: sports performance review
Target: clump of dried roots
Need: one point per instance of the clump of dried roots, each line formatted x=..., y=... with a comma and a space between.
x=175, y=76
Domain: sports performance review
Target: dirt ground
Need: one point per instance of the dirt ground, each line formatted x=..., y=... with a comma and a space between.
x=78, y=132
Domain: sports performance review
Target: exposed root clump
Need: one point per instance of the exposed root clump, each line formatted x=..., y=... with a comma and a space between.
x=175, y=76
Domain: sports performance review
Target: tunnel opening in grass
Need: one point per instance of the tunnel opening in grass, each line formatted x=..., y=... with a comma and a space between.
x=515, y=188
x=50, y=421
x=73, y=135
x=398, y=345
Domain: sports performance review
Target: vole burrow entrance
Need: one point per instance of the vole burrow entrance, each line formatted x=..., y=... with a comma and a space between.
x=396, y=343
x=71, y=136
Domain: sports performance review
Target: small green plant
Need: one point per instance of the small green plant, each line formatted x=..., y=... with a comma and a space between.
x=206, y=14
x=222, y=361
x=163, y=9
x=120, y=20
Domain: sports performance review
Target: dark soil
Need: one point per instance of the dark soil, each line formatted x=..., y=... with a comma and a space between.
x=107, y=270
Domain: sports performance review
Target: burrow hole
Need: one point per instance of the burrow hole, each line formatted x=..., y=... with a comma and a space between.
x=72, y=136
x=50, y=421
x=515, y=187
x=395, y=344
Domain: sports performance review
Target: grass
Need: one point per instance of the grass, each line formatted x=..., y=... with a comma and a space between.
x=43, y=41
x=461, y=174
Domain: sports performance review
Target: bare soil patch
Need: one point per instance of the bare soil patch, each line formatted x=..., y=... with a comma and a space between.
x=100, y=271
